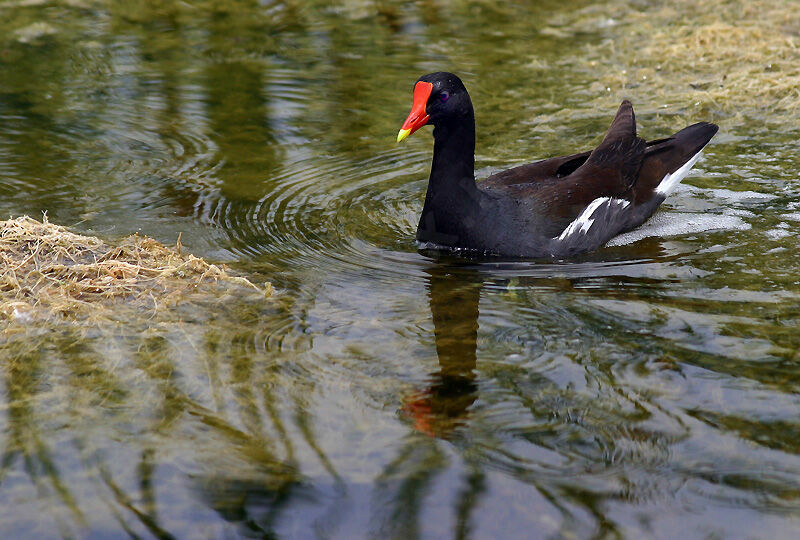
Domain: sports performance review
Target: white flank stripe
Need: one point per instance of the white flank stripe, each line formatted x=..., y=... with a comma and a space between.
x=584, y=221
x=671, y=180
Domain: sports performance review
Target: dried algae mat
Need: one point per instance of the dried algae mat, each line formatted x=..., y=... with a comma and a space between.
x=726, y=57
x=50, y=273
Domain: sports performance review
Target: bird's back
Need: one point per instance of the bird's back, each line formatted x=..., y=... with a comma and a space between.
x=585, y=199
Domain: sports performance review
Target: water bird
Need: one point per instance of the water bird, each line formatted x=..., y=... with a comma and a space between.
x=557, y=207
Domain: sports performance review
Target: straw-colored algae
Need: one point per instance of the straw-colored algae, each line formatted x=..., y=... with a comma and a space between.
x=738, y=54
x=727, y=56
x=48, y=272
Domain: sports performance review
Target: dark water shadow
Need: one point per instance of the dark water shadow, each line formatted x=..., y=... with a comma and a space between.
x=454, y=296
x=455, y=285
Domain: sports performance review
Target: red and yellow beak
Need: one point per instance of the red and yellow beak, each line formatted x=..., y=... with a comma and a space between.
x=417, y=117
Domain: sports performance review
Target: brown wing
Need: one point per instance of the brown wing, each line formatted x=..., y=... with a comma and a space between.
x=610, y=170
x=547, y=169
x=612, y=167
x=620, y=139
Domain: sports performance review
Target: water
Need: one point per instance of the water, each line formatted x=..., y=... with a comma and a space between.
x=647, y=388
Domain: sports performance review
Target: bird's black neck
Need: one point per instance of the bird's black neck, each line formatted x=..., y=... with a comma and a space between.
x=452, y=192
x=453, y=153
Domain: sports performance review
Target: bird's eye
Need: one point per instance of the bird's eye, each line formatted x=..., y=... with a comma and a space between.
x=444, y=96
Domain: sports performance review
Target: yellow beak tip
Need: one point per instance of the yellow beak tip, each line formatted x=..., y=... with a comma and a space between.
x=402, y=134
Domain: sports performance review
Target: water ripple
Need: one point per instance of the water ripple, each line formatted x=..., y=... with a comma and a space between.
x=318, y=214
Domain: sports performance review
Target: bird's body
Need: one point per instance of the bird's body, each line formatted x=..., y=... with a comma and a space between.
x=552, y=208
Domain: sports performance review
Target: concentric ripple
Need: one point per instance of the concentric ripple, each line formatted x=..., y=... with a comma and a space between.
x=331, y=213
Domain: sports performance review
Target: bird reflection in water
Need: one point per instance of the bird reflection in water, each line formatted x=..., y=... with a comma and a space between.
x=444, y=405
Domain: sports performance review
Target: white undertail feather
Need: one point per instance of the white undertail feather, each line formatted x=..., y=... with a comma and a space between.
x=671, y=180
x=584, y=221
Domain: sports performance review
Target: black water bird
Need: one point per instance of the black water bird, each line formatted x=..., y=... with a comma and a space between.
x=552, y=208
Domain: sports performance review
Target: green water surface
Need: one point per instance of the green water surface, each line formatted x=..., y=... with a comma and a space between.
x=650, y=388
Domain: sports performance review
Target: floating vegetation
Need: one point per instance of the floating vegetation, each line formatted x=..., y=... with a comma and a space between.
x=727, y=56
x=48, y=272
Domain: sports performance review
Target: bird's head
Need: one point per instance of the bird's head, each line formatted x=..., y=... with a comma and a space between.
x=438, y=98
